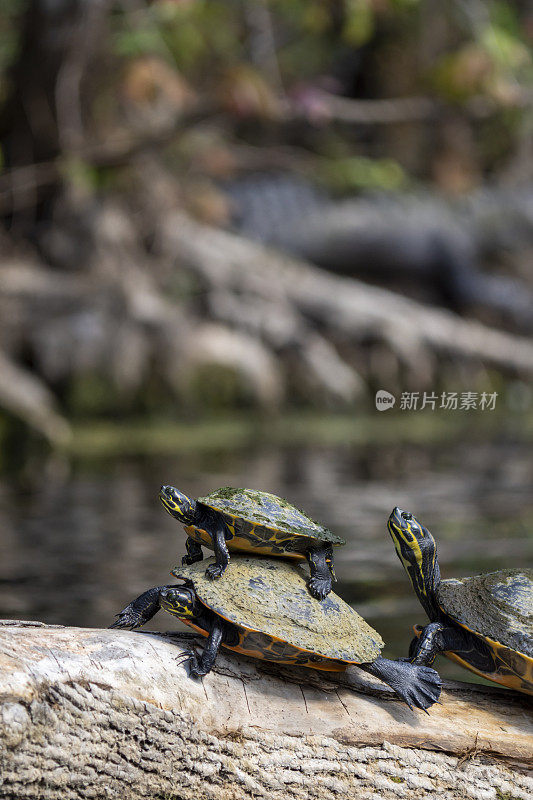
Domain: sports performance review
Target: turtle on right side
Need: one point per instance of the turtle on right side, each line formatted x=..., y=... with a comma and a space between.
x=483, y=623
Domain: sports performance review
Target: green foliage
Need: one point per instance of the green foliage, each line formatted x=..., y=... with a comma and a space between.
x=11, y=12
x=486, y=51
x=357, y=172
x=359, y=23
x=194, y=35
x=495, y=59
x=482, y=50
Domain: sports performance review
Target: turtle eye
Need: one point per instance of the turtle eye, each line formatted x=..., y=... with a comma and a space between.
x=406, y=515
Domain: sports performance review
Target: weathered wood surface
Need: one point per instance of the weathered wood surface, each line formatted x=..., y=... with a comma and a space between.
x=88, y=713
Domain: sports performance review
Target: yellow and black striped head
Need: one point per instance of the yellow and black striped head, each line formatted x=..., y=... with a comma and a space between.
x=180, y=601
x=417, y=551
x=178, y=504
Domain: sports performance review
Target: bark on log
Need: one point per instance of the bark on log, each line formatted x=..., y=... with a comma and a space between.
x=98, y=713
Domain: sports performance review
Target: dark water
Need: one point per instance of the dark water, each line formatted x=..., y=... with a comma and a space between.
x=79, y=541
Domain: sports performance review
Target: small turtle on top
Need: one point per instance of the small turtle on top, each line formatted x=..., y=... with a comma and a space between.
x=264, y=610
x=484, y=623
x=251, y=521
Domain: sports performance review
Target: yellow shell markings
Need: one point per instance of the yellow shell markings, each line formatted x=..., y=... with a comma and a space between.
x=271, y=546
x=271, y=596
x=515, y=682
x=496, y=605
x=261, y=650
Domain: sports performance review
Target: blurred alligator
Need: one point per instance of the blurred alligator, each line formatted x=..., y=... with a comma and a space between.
x=420, y=244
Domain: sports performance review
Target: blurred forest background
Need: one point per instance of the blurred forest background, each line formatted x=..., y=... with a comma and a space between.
x=223, y=227
x=387, y=141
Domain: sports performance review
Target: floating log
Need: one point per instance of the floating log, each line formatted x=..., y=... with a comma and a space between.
x=87, y=713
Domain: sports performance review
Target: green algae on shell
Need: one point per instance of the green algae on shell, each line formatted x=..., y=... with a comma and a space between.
x=271, y=596
x=269, y=511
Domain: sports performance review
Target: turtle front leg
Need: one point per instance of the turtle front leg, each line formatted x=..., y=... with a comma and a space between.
x=218, y=536
x=140, y=610
x=434, y=638
x=199, y=666
x=194, y=552
x=321, y=567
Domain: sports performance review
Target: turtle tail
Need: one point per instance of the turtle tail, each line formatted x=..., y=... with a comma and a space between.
x=417, y=686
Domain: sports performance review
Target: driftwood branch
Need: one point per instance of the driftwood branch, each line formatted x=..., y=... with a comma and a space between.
x=403, y=109
x=98, y=713
x=27, y=397
x=345, y=308
x=278, y=324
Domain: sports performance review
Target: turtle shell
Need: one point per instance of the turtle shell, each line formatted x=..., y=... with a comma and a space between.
x=270, y=597
x=262, y=517
x=496, y=605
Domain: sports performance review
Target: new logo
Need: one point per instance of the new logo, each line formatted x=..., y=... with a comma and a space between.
x=384, y=400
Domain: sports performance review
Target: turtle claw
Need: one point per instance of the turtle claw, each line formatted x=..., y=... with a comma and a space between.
x=215, y=571
x=190, y=659
x=195, y=670
x=127, y=619
x=185, y=657
x=319, y=587
x=139, y=611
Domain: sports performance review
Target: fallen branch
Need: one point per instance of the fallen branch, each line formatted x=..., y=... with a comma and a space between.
x=27, y=397
x=346, y=308
x=98, y=713
x=401, y=109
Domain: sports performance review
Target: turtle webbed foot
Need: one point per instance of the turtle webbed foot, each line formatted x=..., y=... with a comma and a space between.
x=319, y=587
x=416, y=685
x=422, y=690
x=215, y=571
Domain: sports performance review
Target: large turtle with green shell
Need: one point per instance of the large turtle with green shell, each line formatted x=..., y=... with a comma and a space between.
x=264, y=610
x=247, y=520
x=483, y=623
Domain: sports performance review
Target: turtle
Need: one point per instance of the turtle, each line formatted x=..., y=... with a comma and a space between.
x=247, y=520
x=263, y=610
x=483, y=623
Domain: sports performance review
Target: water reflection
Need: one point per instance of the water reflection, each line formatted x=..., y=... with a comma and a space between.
x=75, y=546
